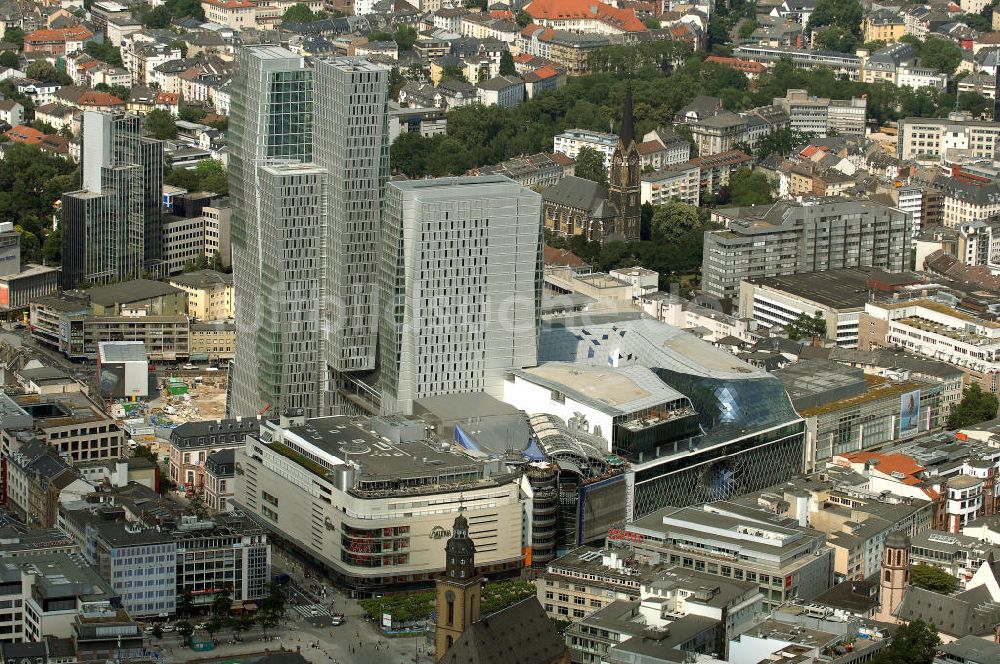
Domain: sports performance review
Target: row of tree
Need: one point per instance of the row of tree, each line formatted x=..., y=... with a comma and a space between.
x=220, y=616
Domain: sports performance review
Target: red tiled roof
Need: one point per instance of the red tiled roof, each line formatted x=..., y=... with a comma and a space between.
x=553, y=256
x=524, y=57
x=25, y=134
x=890, y=463
x=170, y=98
x=56, y=35
x=562, y=159
x=554, y=10
x=231, y=4
x=649, y=147
x=94, y=98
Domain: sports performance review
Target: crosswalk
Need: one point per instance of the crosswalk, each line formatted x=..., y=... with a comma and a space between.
x=313, y=611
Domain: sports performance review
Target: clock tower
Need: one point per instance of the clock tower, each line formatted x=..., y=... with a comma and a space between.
x=458, y=591
x=626, y=171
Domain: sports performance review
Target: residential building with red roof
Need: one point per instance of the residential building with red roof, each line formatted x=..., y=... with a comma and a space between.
x=57, y=41
x=549, y=77
x=88, y=100
x=46, y=142
x=751, y=69
x=584, y=16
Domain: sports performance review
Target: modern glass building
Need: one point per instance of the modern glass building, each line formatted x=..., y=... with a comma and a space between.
x=352, y=144
x=112, y=229
x=271, y=124
x=460, y=287
x=747, y=436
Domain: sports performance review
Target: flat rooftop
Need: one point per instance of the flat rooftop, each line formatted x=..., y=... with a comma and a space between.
x=620, y=391
x=845, y=289
x=121, y=351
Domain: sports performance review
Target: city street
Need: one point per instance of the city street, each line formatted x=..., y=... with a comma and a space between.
x=356, y=641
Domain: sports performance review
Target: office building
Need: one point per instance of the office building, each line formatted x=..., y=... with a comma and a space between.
x=461, y=272
x=846, y=411
x=726, y=539
x=112, y=228
x=932, y=329
x=372, y=501
x=931, y=138
x=839, y=296
x=789, y=237
x=352, y=144
x=150, y=568
x=271, y=124
x=822, y=116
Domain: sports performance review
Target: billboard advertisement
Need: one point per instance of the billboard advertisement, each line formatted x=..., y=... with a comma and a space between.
x=909, y=413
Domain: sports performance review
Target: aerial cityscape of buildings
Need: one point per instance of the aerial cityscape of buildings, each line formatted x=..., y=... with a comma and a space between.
x=544, y=332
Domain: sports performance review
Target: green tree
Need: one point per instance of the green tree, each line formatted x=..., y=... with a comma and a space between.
x=160, y=124
x=452, y=73
x=222, y=603
x=191, y=113
x=9, y=60
x=405, y=36
x=976, y=406
x=748, y=187
x=185, y=630
x=932, y=578
x=14, y=36
x=781, y=142
x=590, y=166
x=836, y=38
x=242, y=623
x=107, y=52
x=976, y=104
x=297, y=13
x=185, y=603
x=144, y=452
x=43, y=127
x=157, y=631
x=941, y=54
x=806, y=327
x=212, y=626
x=42, y=70
x=523, y=18
x=31, y=247
x=913, y=643
x=672, y=221
x=977, y=22
x=52, y=248
x=652, y=23
x=507, y=67
x=845, y=14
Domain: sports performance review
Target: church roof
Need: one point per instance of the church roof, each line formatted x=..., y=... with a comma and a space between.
x=627, y=134
x=520, y=633
x=582, y=194
x=969, y=612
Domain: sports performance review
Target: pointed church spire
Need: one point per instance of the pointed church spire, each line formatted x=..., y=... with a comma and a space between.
x=627, y=134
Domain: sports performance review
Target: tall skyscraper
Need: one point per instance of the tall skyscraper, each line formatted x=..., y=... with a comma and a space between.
x=113, y=227
x=352, y=144
x=460, y=281
x=271, y=126
x=626, y=171
x=293, y=220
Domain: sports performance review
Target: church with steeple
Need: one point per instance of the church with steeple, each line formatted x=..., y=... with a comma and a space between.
x=576, y=206
x=519, y=633
x=626, y=173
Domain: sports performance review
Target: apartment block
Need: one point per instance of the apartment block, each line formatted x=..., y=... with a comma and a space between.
x=572, y=140
x=681, y=182
x=821, y=116
x=789, y=237
x=209, y=294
